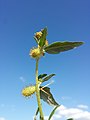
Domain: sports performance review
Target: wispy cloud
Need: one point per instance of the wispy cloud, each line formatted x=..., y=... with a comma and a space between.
x=82, y=106
x=22, y=78
x=66, y=98
x=75, y=113
x=11, y=107
x=2, y=118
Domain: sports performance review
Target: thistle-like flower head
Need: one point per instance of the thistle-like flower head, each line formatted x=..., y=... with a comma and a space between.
x=28, y=91
x=36, y=53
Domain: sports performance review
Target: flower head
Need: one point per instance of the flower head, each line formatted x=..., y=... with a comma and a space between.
x=38, y=35
x=36, y=53
x=28, y=91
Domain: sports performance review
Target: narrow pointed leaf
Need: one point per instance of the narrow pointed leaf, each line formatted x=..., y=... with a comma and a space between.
x=58, y=47
x=46, y=95
x=41, y=76
x=36, y=39
x=36, y=113
x=52, y=113
x=43, y=37
x=48, y=77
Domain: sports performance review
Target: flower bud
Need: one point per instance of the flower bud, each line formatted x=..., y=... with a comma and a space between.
x=38, y=35
x=28, y=91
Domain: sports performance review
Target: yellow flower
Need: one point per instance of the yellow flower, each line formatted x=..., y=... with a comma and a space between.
x=36, y=53
x=28, y=91
x=38, y=35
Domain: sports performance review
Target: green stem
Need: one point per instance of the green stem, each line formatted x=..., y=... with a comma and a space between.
x=38, y=92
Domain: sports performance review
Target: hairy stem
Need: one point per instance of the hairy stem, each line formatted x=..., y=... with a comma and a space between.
x=38, y=92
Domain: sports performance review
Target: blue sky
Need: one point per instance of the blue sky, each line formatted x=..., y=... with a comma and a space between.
x=67, y=20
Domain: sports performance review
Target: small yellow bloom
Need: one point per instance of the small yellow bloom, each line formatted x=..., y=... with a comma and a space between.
x=36, y=53
x=28, y=91
x=38, y=34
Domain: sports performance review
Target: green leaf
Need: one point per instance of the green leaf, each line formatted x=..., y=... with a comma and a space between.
x=36, y=39
x=46, y=95
x=48, y=77
x=36, y=113
x=43, y=37
x=41, y=76
x=58, y=47
x=70, y=119
x=52, y=113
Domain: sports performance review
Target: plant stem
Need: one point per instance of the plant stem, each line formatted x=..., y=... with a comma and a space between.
x=38, y=92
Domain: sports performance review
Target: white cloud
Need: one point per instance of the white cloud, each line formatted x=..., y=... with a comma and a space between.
x=82, y=106
x=2, y=118
x=75, y=113
x=46, y=117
